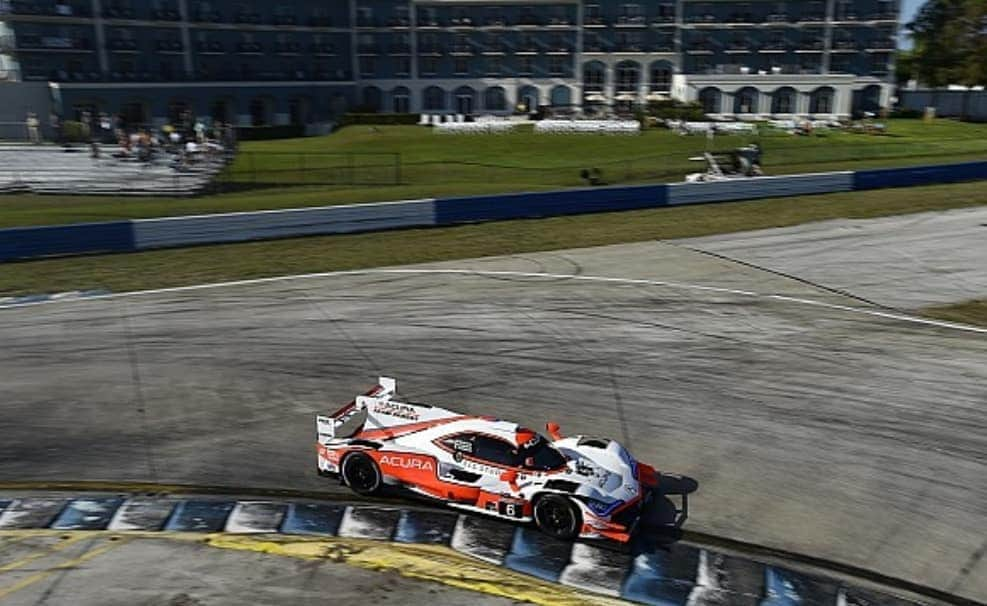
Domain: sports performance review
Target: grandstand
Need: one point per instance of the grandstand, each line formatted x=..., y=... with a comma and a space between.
x=58, y=170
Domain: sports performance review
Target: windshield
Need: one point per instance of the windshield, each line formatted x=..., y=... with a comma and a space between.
x=542, y=457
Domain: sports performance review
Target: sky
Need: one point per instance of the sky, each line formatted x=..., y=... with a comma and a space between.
x=908, y=10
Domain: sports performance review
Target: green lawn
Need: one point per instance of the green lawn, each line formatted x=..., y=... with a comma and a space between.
x=164, y=268
x=295, y=172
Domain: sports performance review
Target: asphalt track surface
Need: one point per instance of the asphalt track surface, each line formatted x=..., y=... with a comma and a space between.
x=814, y=422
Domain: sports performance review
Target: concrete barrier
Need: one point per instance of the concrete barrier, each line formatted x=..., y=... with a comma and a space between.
x=760, y=187
x=919, y=175
x=57, y=240
x=264, y=225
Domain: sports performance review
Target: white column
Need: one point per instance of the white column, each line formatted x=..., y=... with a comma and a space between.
x=186, y=37
x=726, y=103
x=610, y=89
x=802, y=103
x=763, y=102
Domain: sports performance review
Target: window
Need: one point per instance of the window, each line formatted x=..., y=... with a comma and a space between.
x=495, y=66
x=365, y=16
x=429, y=65
x=368, y=67
x=525, y=65
x=402, y=66
x=461, y=67
x=593, y=15
x=495, y=451
x=556, y=66
x=541, y=457
x=495, y=99
x=494, y=16
x=630, y=11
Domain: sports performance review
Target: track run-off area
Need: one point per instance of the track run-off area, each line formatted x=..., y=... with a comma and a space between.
x=782, y=370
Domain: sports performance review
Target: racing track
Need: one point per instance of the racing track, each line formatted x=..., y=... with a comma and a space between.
x=812, y=423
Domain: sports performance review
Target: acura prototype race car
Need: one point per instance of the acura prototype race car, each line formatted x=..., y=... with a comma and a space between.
x=575, y=487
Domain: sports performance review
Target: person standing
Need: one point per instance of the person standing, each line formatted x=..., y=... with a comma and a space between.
x=32, y=128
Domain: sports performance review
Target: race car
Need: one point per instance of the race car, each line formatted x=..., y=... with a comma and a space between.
x=575, y=487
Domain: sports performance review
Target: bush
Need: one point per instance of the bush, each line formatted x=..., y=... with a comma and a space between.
x=265, y=133
x=907, y=113
x=364, y=118
x=674, y=110
x=75, y=132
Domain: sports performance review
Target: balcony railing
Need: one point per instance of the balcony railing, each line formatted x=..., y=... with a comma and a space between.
x=461, y=22
x=167, y=14
x=249, y=48
x=168, y=46
x=118, y=12
x=399, y=49
x=247, y=18
x=529, y=21
x=121, y=45
x=287, y=48
x=322, y=49
x=53, y=43
x=46, y=9
x=631, y=21
x=210, y=46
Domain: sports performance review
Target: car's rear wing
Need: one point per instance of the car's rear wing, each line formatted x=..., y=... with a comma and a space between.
x=376, y=410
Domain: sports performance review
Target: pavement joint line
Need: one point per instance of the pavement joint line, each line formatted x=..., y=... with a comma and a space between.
x=66, y=565
x=311, y=524
x=519, y=274
x=41, y=553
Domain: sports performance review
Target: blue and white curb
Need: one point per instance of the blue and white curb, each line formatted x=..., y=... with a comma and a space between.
x=681, y=575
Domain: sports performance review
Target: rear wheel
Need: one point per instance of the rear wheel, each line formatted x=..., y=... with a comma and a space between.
x=362, y=474
x=558, y=516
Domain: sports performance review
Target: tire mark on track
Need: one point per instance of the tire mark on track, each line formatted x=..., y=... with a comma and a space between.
x=139, y=400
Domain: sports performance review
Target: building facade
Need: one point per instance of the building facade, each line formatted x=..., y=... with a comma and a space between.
x=305, y=61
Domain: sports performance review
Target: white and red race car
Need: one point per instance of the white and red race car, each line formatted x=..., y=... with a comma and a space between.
x=583, y=487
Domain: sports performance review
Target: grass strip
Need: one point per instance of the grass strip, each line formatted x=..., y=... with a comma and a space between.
x=968, y=312
x=203, y=264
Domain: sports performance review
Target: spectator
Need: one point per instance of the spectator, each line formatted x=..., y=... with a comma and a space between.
x=32, y=128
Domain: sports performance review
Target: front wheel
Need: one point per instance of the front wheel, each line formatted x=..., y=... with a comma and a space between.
x=362, y=474
x=558, y=516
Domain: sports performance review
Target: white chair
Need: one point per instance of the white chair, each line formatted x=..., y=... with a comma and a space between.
x=424, y=120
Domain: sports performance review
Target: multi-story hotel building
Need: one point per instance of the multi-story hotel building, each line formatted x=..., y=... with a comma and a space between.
x=304, y=61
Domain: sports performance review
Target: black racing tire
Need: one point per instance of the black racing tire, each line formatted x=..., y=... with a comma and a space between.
x=558, y=516
x=361, y=474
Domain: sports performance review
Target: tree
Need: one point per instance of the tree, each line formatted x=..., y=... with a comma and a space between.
x=950, y=42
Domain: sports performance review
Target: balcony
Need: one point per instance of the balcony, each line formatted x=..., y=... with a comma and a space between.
x=558, y=49
x=461, y=22
x=210, y=47
x=594, y=21
x=287, y=48
x=57, y=10
x=247, y=19
x=120, y=45
x=631, y=21
x=594, y=47
x=810, y=46
x=664, y=48
x=812, y=18
x=527, y=49
x=774, y=47
x=738, y=47
x=495, y=22
x=777, y=18
x=118, y=12
x=631, y=47
x=399, y=49
x=495, y=49
x=168, y=14
x=425, y=22
x=744, y=18
x=699, y=49
x=431, y=49
x=168, y=46
x=708, y=18
x=52, y=44
x=368, y=49
x=207, y=17
x=249, y=48
x=323, y=50
x=663, y=20
x=882, y=16
x=880, y=46
x=845, y=46
x=559, y=22
x=398, y=22
x=529, y=21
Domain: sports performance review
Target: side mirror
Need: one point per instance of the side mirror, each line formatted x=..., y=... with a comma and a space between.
x=553, y=430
